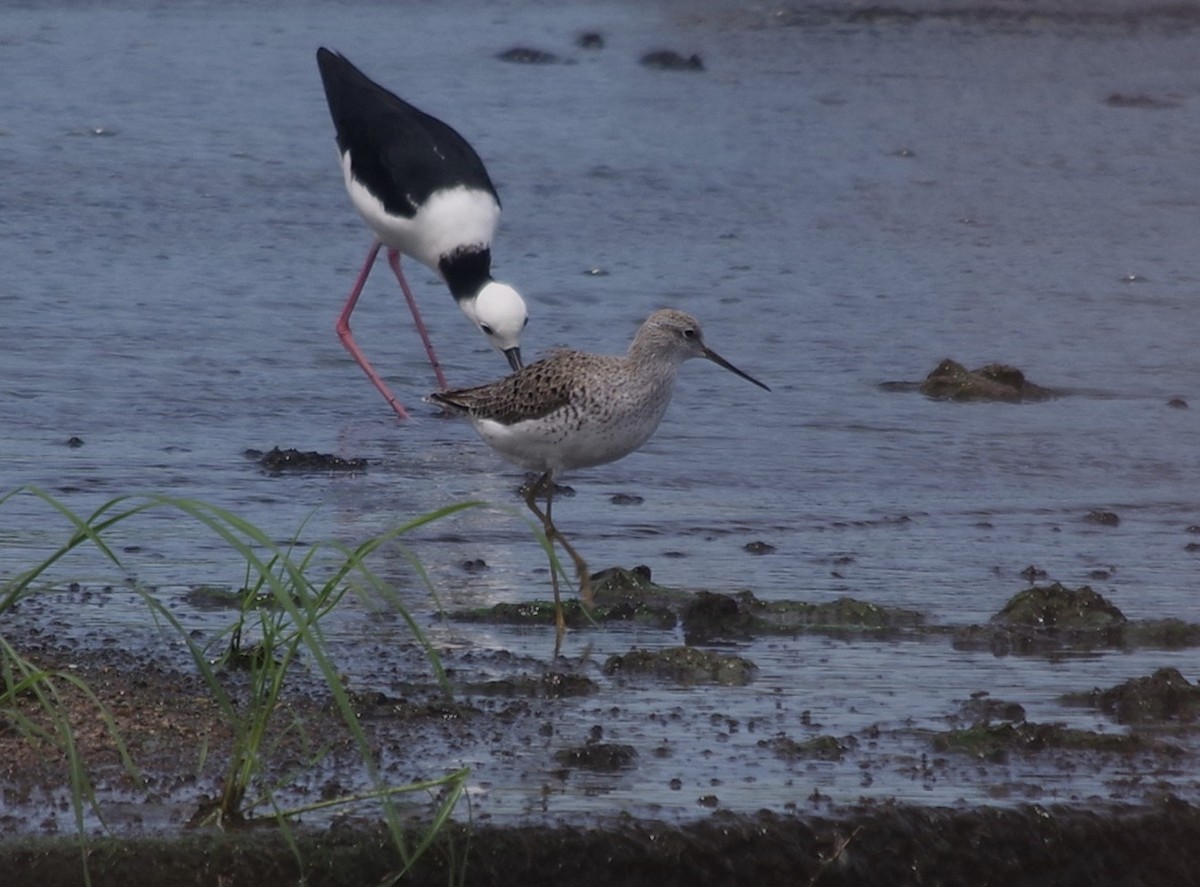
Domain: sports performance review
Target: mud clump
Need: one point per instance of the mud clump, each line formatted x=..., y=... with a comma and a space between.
x=602, y=757
x=1103, y=518
x=995, y=742
x=1057, y=607
x=710, y=616
x=982, y=710
x=951, y=380
x=277, y=461
x=819, y=748
x=551, y=685
x=683, y=665
x=1046, y=618
x=1164, y=696
x=622, y=595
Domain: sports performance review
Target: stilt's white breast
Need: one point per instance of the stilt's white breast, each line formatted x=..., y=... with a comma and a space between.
x=451, y=218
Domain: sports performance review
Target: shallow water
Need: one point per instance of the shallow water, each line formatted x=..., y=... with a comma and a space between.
x=842, y=203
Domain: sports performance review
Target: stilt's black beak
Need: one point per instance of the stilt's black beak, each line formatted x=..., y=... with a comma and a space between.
x=514, y=358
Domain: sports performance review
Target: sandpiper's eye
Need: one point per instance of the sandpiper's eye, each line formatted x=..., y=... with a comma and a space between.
x=689, y=333
x=487, y=330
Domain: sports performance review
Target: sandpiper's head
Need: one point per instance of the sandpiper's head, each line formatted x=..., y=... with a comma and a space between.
x=678, y=336
x=499, y=312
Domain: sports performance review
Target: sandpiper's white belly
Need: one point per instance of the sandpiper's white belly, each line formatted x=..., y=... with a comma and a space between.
x=563, y=440
x=449, y=219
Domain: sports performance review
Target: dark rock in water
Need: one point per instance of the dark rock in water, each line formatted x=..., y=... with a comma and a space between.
x=279, y=461
x=590, y=40
x=950, y=380
x=759, y=547
x=1164, y=696
x=669, y=60
x=74, y=442
x=626, y=499
x=1103, y=518
x=1177, y=403
x=1058, y=607
x=524, y=55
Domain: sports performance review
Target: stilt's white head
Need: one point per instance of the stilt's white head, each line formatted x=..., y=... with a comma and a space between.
x=499, y=312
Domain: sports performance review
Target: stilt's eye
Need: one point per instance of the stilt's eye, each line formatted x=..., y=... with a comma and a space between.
x=487, y=330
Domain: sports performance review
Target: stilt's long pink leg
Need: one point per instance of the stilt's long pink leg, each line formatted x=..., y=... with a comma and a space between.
x=347, y=337
x=394, y=260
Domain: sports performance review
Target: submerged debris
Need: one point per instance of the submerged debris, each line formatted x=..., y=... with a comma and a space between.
x=1141, y=100
x=524, y=55
x=670, y=60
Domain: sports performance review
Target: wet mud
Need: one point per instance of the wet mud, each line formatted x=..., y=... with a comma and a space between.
x=890, y=845
x=175, y=733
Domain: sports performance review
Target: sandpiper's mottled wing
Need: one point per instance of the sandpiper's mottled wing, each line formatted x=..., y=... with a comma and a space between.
x=531, y=393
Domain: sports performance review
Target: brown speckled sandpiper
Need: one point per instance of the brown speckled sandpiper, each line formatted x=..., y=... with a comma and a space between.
x=574, y=410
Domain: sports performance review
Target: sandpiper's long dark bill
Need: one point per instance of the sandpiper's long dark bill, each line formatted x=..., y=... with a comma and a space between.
x=720, y=361
x=574, y=410
x=426, y=194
